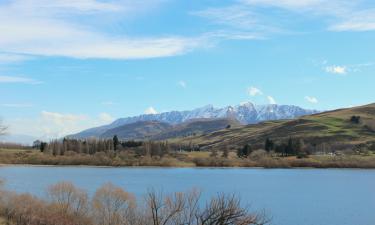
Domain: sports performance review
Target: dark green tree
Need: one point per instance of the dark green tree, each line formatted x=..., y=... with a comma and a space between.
x=245, y=151
x=290, y=147
x=269, y=145
x=43, y=146
x=116, y=142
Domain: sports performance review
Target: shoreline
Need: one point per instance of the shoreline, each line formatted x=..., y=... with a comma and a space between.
x=187, y=167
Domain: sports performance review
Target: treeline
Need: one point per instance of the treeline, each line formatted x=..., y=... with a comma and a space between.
x=93, y=146
x=111, y=205
x=291, y=147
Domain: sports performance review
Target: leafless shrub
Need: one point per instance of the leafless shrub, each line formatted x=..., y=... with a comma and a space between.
x=258, y=155
x=68, y=199
x=181, y=208
x=226, y=209
x=112, y=206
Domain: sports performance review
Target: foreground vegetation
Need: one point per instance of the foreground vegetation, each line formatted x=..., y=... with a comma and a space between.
x=258, y=158
x=111, y=205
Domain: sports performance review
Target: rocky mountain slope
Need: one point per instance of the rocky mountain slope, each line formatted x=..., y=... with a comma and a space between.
x=246, y=113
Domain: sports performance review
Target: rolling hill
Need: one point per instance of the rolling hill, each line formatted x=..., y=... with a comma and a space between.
x=333, y=127
x=155, y=130
x=137, y=130
x=197, y=127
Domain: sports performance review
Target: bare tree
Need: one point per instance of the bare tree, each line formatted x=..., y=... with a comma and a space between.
x=69, y=199
x=168, y=210
x=181, y=208
x=227, y=210
x=112, y=206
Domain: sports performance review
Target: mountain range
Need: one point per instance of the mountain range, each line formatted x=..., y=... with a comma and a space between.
x=200, y=120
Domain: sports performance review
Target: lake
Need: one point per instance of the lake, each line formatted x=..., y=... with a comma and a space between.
x=289, y=196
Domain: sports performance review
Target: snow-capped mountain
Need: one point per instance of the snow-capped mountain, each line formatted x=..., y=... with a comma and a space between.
x=245, y=113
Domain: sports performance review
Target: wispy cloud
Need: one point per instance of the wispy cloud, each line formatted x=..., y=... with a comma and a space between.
x=335, y=15
x=341, y=15
x=311, y=99
x=17, y=105
x=50, y=28
x=253, y=91
x=16, y=79
x=13, y=58
x=239, y=22
x=51, y=125
x=362, y=20
x=346, y=69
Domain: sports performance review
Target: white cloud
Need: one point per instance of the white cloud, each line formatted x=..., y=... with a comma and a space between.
x=12, y=58
x=340, y=15
x=150, y=110
x=271, y=100
x=80, y=5
x=17, y=105
x=51, y=28
x=106, y=118
x=15, y=79
x=287, y=4
x=253, y=91
x=342, y=70
x=60, y=119
x=311, y=99
x=55, y=125
x=363, y=20
x=182, y=84
x=239, y=21
x=51, y=125
x=236, y=16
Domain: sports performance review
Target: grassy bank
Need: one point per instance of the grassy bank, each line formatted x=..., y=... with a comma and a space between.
x=186, y=159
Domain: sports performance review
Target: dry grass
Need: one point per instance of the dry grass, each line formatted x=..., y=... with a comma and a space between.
x=186, y=159
x=2, y=221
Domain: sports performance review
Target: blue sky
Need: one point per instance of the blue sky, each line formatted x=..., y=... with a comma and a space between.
x=66, y=65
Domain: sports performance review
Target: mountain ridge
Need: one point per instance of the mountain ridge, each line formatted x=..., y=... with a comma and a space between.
x=245, y=113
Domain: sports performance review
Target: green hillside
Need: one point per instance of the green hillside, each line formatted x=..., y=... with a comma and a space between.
x=334, y=127
x=197, y=127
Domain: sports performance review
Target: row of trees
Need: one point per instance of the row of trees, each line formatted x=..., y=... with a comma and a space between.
x=93, y=146
x=292, y=147
x=111, y=205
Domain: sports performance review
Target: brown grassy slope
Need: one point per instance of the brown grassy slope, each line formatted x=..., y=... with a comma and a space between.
x=329, y=127
x=197, y=127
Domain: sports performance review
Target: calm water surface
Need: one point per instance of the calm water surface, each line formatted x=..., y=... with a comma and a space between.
x=290, y=196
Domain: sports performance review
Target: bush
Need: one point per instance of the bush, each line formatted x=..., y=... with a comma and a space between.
x=112, y=205
x=258, y=155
